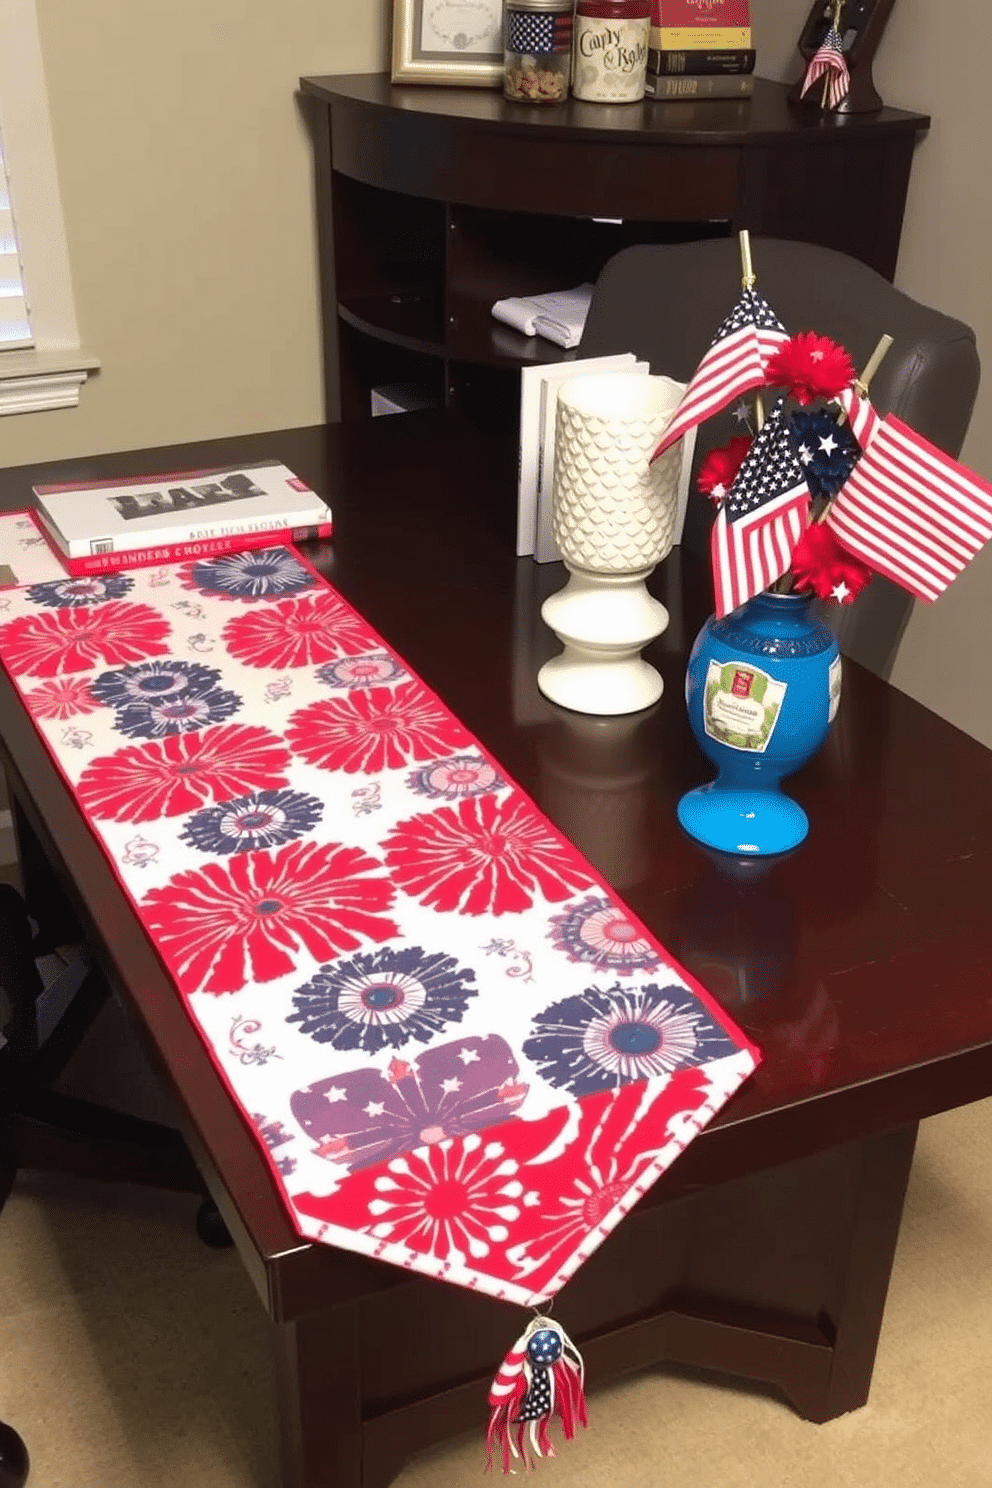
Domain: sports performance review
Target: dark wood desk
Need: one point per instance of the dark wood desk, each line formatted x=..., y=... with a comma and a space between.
x=434, y=202
x=860, y=966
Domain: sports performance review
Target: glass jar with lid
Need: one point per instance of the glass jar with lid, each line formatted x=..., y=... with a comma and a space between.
x=537, y=50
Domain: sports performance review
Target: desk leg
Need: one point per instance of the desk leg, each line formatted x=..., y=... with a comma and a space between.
x=874, y=1233
x=318, y=1390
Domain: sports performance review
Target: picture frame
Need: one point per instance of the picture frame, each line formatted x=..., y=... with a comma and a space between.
x=453, y=43
x=861, y=25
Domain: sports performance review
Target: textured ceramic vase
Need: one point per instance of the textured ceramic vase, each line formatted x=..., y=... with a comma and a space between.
x=613, y=520
x=762, y=688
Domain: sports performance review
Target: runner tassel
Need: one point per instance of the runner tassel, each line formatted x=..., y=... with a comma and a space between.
x=541, y=1377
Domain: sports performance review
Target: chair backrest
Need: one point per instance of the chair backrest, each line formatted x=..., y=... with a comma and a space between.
x=664, y=303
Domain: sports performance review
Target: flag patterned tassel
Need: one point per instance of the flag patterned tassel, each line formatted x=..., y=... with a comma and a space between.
x=541, y=1377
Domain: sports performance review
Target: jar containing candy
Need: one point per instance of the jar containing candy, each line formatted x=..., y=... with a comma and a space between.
x=537, y=50
x=611, y=50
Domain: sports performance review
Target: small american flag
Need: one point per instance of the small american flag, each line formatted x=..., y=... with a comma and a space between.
x=860, y=415
x=829, y=59
x=734, y=364
x=911, y=512
x=762, y=519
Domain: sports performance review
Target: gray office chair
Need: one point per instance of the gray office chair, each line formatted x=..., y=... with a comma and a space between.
x=665, y=302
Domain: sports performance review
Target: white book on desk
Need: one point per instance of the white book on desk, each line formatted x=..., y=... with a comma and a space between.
x=99, y=525
x=538, y=390
x=545, y=547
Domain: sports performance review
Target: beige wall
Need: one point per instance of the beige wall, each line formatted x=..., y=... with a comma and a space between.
x=926, y=64
x=186, y=177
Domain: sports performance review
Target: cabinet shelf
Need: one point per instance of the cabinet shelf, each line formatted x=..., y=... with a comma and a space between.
x=433, y=202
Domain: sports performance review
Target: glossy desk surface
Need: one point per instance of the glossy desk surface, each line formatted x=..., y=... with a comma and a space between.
x=860, y=964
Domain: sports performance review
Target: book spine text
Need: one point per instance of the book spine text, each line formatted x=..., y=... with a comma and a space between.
x=179, y=552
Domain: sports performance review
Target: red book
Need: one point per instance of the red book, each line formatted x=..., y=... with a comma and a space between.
x=179, y=552
x=700, y=12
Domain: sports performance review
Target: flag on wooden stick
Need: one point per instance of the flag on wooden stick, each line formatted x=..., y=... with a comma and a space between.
x=762, y=519
x=861, y=416
x=828, y=62
x=911, y=512
x=734, y=364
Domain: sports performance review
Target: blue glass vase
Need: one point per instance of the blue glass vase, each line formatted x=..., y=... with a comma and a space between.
x=762, y=688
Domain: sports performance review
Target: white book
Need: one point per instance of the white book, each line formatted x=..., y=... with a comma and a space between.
x=97, y=519
x=534, y=384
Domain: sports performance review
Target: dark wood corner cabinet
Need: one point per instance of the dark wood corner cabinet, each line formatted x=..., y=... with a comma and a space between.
x=434, y=202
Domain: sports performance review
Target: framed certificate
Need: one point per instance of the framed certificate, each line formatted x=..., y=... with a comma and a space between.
x=458, y=42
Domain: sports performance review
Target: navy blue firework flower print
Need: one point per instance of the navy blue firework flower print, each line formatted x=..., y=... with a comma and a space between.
x=157, y=698
x=262, y=573
x=151, y=681
x=383, y=999
x=602, y=933
x=600, y=1040
x=72, y=593
x=447, y=780
x=264, y=819
x=370, y=670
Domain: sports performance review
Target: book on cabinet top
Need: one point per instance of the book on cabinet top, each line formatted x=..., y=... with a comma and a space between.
x=700, y=13
x=693, y=25
x=101, y=519
x=699, y=38
x=673, y=63
x=659, y=87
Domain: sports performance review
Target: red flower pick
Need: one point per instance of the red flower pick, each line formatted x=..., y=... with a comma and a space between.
x=821, y=564
x=719, y=469
x=811, y=367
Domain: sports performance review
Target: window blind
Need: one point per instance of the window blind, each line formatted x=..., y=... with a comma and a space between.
x=15, y=324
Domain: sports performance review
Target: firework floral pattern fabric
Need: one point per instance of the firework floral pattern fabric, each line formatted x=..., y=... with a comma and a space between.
x=459, y=1050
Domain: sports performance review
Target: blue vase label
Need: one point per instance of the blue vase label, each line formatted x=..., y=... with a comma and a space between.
x=742, y=705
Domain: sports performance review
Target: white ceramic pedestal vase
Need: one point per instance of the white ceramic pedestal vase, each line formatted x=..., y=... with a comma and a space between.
x=613, y=520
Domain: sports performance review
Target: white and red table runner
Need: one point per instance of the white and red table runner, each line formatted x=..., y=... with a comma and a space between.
x=458, y=1049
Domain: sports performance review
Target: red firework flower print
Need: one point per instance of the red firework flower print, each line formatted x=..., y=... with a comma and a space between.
x=247, y=918
x=459, y=1200
x=183, y=771
x=382, y=729
x=63, y=697
x=482, y=856
x=297, y=632
x=74, y=639
x=620, y=1134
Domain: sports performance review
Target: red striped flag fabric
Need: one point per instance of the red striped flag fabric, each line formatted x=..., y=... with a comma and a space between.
x=828, y=61
x=734, y=364
x=911, y=512
x=758, y=526
x=861, y=416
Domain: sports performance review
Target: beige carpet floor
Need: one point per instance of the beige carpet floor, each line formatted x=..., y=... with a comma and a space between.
x=131, y=1356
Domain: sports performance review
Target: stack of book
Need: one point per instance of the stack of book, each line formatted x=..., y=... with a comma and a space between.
x=700, y=49
x=96, y=527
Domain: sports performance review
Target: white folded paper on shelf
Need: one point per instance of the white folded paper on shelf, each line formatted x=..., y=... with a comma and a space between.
x=557, y=316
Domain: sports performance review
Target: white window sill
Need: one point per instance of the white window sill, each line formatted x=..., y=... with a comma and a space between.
x=33, y=381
